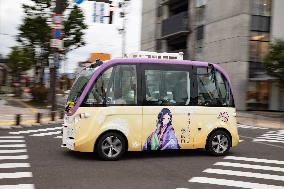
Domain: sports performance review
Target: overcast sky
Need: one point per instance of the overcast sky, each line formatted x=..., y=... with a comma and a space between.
x=99, y=37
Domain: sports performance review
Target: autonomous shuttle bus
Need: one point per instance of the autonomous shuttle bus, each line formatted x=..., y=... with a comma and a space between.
x=139, y=104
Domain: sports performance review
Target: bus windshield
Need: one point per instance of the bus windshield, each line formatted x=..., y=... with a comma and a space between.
x=80, y=83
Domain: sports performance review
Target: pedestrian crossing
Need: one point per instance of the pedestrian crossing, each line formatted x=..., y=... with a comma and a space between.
x=14, y=166
x=271, y=136
x=250, y=127
x=243, y=172
x=55, y=132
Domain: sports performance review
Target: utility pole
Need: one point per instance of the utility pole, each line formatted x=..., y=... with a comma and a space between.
x=59, y=7
x=123, y=30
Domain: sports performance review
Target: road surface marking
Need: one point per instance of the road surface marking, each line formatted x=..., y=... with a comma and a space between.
x=249, y=166
x=13, y=145
x=254, y=160
x=58, y=137
x=15, y=175
x=264, y=140
x=34, y=131
x=2, y=137
x=13, y=165
x=5, y=141
x=233, y=183
x=13, y=151
x=14, y=157
x=47, y=134
x=244, y=174
x=271, y=137
x=18, y=186
x=251, y=127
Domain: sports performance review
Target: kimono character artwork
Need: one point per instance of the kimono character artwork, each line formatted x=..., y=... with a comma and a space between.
x=163, y=138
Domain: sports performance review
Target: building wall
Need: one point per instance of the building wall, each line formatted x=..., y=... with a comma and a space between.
x=148, y=34
x=226, y=42
x=277, y=28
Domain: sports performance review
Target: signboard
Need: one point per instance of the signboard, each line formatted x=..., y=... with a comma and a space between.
x=56, y=43
x=101, y=12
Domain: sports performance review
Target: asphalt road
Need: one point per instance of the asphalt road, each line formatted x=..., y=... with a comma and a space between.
x=34, y=159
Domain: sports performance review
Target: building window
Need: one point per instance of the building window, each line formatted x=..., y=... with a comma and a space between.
x=260, y=23
x=200, y=16
x=257, y=95
x=261, y=7
x=258, y=50
x=159, y=11
x=199, y=33
x=200, y=3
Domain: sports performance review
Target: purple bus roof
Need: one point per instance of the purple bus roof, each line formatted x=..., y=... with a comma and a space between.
x=141, y=61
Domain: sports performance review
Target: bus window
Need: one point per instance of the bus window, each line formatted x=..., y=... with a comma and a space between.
x=213, y=89
x=116, y=86
x=167, y=88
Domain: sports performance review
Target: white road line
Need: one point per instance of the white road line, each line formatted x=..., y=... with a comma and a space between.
x=244, y=174
x=13, y=165
x=35, y=131
x=255, y=160
x=58, y=137
x=264, y=140
x=13, y=145
x=15, y=175
x=272, y=138
x=14, y=157
x=249, y=166
x=18, y=186
x=5, y=141
x=251, y=127
x=233, y=183
x=11, y=137
x=241, y=140
x=13, y=151
x=47, y=134
x=273, y=134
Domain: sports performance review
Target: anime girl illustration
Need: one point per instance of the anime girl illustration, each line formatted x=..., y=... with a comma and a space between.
x=163, y=138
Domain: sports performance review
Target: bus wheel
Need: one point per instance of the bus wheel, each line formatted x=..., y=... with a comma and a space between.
x=218, y=143
x=111, y=146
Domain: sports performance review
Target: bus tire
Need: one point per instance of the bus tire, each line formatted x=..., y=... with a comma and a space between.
x=218, y=143
x=111, y=146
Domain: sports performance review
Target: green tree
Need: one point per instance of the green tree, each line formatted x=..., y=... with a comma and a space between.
x=274, y=61
x=274, y=64
x=20, y=60
x=35, y=31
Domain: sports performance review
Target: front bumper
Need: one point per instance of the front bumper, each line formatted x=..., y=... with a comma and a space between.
x=68, y=137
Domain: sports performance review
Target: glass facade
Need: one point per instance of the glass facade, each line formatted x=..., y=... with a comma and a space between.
x=258, y=89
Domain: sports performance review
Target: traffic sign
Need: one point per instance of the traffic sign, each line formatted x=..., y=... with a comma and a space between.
x=57, y=18
x=78, y=1
x=56, y=43
x=57, y=33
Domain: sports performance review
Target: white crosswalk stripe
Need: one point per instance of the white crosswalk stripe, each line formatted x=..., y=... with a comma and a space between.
x=35, y=130
x=56, y=132
x=256, y=169
x=47, y=134
x=18, y=186
x=250, y=127
x=271, y=136
x=13, y=163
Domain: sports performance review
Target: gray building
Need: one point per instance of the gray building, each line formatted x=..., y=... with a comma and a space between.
x=232, y=33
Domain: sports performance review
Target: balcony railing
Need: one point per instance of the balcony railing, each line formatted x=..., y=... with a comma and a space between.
x=175, y=25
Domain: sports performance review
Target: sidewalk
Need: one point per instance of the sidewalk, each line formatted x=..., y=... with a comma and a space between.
x=261, y=119
x=11, y=106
